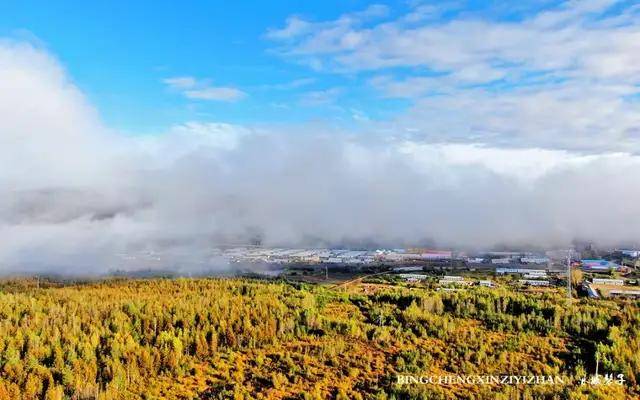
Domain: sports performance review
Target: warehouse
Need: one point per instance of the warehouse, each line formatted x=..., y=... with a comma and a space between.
x=631, y=253
x=598, y=265
x=632, y=294
x=534, y=260
x=502, y=271
x=532, y=282
x=603, y=281
x=412, y=277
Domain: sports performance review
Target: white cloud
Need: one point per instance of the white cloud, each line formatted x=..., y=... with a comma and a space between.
x=373, y=11
x=416, y=86
x=425, y=12
x=295, y=26
x=74, y=195
x=180, y=82
x=568, y=116
x=44, y=118
x=567, y=77
x=320, y=97
x=192, y=88
x=359, y=115
x=294, y=84
x=215, y=93
x=572, y=40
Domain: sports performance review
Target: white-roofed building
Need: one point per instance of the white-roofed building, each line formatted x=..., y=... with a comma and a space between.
x=412, y=277
x=612, y=282
x=532, y=282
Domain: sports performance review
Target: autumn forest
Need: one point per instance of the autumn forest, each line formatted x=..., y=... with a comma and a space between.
x=252, y=339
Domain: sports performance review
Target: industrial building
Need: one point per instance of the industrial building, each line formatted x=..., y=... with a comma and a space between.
x=534, y=260
x=502, y=271
x=631, y=294
x=533, y=282
x=535, y=276
x=630, y=253
x=598, y=265
x=407, y=269
x=412, y=277
x=449, y=280
x=612, y=282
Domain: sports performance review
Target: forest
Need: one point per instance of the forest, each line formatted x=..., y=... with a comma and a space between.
x=214, y=338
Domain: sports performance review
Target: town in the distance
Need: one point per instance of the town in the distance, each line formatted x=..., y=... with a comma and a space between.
x=595, y=272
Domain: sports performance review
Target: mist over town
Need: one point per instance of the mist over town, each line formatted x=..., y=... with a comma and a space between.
x=513, y=168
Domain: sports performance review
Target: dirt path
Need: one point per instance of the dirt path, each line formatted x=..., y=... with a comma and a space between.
x=357, y=280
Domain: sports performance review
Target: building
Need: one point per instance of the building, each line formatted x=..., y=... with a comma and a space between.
x=406, y=269
x=612, y=282
x=500, y=261
x=631, y=253
x=535, y=276
x=631, y=294
x=401, y=257
x=486, y=283
x=532, y=282
x=598, y=265
x=534, y=260
x=502, y=271
x=428, y=254
x=448, y=280
x=412, y=277
x=591, y=262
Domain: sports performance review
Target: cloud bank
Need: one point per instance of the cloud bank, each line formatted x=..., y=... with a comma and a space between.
x=78, y=197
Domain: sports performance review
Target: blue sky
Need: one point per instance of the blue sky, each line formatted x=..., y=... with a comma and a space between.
x=118, y=53
x=409, y=66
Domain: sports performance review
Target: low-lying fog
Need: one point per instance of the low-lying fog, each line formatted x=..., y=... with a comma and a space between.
x=75, y=195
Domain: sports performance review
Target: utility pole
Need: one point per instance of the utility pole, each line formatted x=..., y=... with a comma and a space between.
x=569, y=274
x=451, y=263
x=326, y=272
